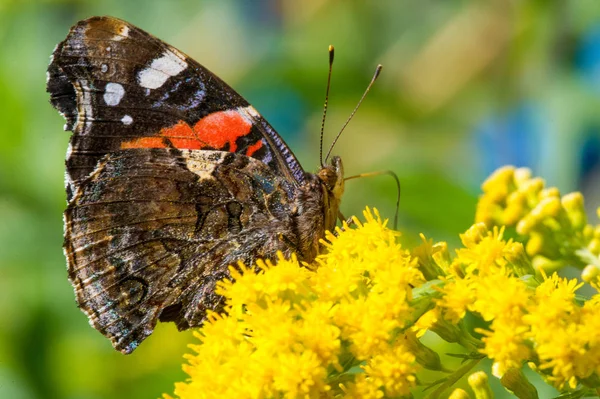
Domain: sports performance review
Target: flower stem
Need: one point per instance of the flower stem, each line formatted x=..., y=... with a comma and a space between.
x=453, y=378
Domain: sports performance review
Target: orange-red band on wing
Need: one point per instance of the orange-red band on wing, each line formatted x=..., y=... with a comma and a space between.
x=215, y=131
x=254, y=147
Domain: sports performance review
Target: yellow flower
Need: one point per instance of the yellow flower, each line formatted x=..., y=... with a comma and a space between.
x=505, y=343
x=319, y=333
x=393, y=369
x=485, y=284
x=500, y=295
x=363, y=387
x=426, y=321
x=300, y=374
x=298, y=333
x=484, y=250
x=364, y=328
x=458, y=295
x=555, y=302
x=564, y=342
x=434, y=259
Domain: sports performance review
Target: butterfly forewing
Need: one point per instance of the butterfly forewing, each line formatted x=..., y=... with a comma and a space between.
x=119, y=86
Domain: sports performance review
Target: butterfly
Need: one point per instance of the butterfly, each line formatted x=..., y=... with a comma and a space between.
x=171, y=177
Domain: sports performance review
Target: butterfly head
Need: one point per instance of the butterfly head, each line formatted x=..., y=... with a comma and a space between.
x=332, y=177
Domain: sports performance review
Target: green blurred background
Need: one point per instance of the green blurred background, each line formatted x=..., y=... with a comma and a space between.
x=467, y=86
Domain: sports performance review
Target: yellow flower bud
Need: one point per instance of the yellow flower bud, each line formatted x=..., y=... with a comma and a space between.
x=479, y=383
x=425, y=322
x=498, y=184
x=516, y=382
x=547, y=265
x=522, y=175
x=588, y=232
x=457, y=268
x=440, y=255
x=573, y=204
x=515, y=254
x=425, y=253
x=474, y=234
x=590, y=273
x=459, y=394
x=516, y=207
x=488, y=210
x=533, y=187
x=527, y=224
x=550, y=192
x=535, y=245
x=594, y=246
x=498, y=369
x=547, y=208
x=573, y=201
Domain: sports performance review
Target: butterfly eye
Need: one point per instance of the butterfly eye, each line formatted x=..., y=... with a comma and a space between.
x=329, y=177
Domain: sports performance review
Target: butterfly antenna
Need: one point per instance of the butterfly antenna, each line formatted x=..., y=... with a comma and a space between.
x=331, y=52
x=375, y=76
x=389, y=173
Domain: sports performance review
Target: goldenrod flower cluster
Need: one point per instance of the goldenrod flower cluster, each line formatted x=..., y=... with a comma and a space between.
x=350, y=325
x=555, y=229
x=534, y=320
x=296, y=333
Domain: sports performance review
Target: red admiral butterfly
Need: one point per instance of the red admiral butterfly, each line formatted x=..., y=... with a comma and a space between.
x=171, y=176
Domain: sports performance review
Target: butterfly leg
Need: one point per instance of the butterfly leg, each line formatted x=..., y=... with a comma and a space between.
x=348, y=221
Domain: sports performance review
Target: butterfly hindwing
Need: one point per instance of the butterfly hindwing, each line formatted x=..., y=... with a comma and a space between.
x=149, y=224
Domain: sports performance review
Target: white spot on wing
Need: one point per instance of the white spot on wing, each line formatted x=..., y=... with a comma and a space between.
x=200, y=162
x=248, y=113
x=161, y=69
x=123, y=33
x=251, y=110
x=113, y=93
x=104, y=68
x=127, y=120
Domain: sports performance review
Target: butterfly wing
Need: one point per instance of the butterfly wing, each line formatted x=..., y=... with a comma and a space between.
x=120, y=87
x=150, y=232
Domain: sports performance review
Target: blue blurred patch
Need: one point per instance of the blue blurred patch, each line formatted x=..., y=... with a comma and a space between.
x=589, y=156
x=587, y=58
x=512, y=138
